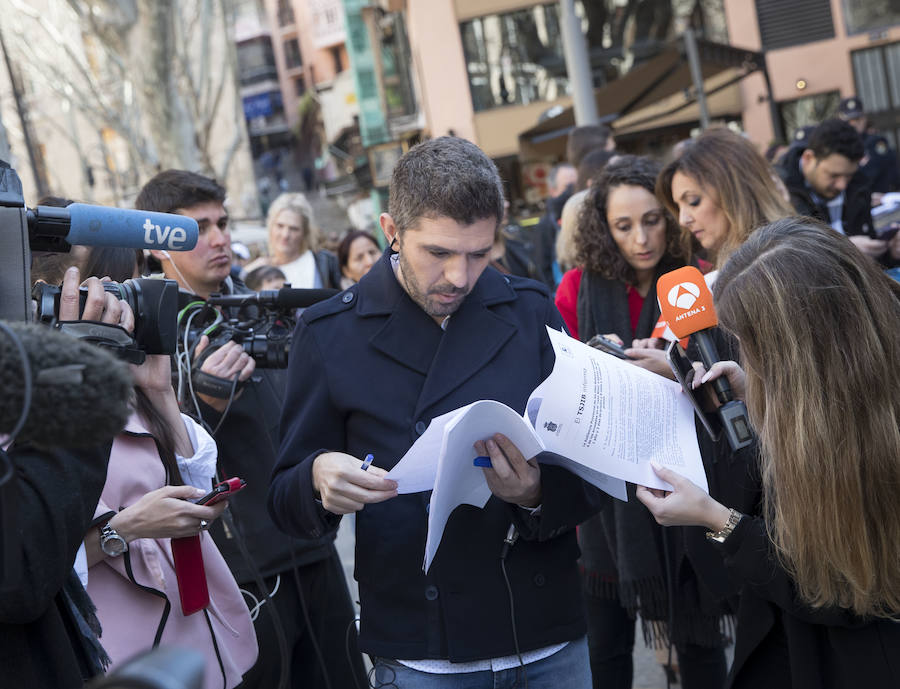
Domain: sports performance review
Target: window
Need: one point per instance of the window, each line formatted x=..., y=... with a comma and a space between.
x=285, y=13
x=808, y=110
x=300, y=86
x=336, y=56
x=256, y=61
x=292, y=53
x=783, y=24
x=876, y=72
x=868, y=15
x=517, y=57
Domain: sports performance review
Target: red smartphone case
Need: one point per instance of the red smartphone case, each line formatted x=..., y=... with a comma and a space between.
x=191, y=576
x=223, y=491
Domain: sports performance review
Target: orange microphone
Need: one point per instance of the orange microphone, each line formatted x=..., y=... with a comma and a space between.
x=686, y=304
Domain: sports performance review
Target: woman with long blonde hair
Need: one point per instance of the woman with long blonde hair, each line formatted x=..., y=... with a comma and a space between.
x=294, y=245
x=720, y=189
x=819, y=331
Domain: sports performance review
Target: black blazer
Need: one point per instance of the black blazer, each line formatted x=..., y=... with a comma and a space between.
x=369, y=370
x=783, y=643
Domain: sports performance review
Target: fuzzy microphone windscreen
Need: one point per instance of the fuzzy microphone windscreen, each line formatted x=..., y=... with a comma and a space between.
x=80, y=393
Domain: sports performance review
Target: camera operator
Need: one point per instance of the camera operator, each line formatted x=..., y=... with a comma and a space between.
x=302, y=578
x=48, y=631
x=129, y=569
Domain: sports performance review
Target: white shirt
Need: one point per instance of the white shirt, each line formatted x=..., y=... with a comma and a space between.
x=301, y=272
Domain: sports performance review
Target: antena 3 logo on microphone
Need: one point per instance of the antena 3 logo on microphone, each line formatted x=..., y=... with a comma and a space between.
x=683, y=295
x=685, y=301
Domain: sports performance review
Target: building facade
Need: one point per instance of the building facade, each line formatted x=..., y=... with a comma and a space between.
x=817, y=52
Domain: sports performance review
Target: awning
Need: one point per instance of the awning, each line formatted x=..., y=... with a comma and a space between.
x=655, y=94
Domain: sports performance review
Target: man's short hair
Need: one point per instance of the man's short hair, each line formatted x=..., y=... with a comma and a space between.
x=583, y=140
x=554, y=173
x=836, y=136
x=173, y=189
x=445, y=177
x=591, y=166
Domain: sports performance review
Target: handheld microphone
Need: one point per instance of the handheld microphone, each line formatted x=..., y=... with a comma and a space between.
x=53, y=229
x=80, y=393
x=686, y=304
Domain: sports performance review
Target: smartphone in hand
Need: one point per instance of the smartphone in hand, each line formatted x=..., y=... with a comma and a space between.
x=222, y=491
x=684, y=374
x=608, y=346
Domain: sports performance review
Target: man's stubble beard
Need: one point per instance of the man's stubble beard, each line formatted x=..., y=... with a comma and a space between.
x=420, y=296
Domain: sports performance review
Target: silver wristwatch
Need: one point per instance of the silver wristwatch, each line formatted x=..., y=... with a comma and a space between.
x=719, y=536
x=111, y=542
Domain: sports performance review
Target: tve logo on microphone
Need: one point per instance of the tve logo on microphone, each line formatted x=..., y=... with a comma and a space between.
x=164, y=237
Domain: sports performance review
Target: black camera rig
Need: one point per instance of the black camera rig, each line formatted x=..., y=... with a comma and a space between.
x=261, y=322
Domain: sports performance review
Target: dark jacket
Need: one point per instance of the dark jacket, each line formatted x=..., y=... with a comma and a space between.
x=329, y=269
x=783, y=643
x=369, y=370
x=248, y=443
x=880, y=168
x=857, y=212
x=56, y=493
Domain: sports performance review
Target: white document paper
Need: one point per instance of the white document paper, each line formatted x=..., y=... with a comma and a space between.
x=602, y=418
x=611, y=416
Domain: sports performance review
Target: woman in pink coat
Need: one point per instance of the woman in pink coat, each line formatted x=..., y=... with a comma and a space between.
x=159, y=464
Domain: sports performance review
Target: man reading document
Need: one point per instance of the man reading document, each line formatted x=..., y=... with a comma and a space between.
x=429, y=329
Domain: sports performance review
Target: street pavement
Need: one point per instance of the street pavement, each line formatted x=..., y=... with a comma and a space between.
x=647, y=671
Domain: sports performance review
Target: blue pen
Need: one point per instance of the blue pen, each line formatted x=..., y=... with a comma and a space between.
x=482, y=461
x=367, y=461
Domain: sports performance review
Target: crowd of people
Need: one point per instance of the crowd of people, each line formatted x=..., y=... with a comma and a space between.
x=791, y=555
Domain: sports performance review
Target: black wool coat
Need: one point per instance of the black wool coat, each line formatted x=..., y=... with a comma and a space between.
x=782, y=643
x=56, y=492
x=369, y=370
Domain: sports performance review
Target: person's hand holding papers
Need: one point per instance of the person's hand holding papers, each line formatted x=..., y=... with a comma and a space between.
x=510, y=477
x=686, y=505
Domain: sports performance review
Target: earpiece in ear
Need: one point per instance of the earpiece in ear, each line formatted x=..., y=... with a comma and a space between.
x=393, y=241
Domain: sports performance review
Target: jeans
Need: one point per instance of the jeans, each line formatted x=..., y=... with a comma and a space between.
x=565, y=669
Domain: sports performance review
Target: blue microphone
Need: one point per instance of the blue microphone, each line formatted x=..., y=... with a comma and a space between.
x=53, y=229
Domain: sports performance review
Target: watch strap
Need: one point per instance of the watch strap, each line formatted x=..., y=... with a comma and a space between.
x=734, y=517
x=107, y=534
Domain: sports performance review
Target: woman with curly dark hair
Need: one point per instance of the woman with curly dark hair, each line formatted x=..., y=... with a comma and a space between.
x=626, y=239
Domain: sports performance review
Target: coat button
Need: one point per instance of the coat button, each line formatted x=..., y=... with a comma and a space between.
x=347, y=298
x=420, y=427
x=431, y=593
x=539, y=579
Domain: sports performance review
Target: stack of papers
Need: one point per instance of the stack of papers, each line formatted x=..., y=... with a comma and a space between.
x=602, y=418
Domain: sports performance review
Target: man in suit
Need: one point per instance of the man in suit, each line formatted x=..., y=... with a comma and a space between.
x=429, y=329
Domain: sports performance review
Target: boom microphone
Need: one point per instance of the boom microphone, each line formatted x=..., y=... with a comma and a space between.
x=686, y=304
x=284, y=298
x=80, y=394
x=51, y=228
